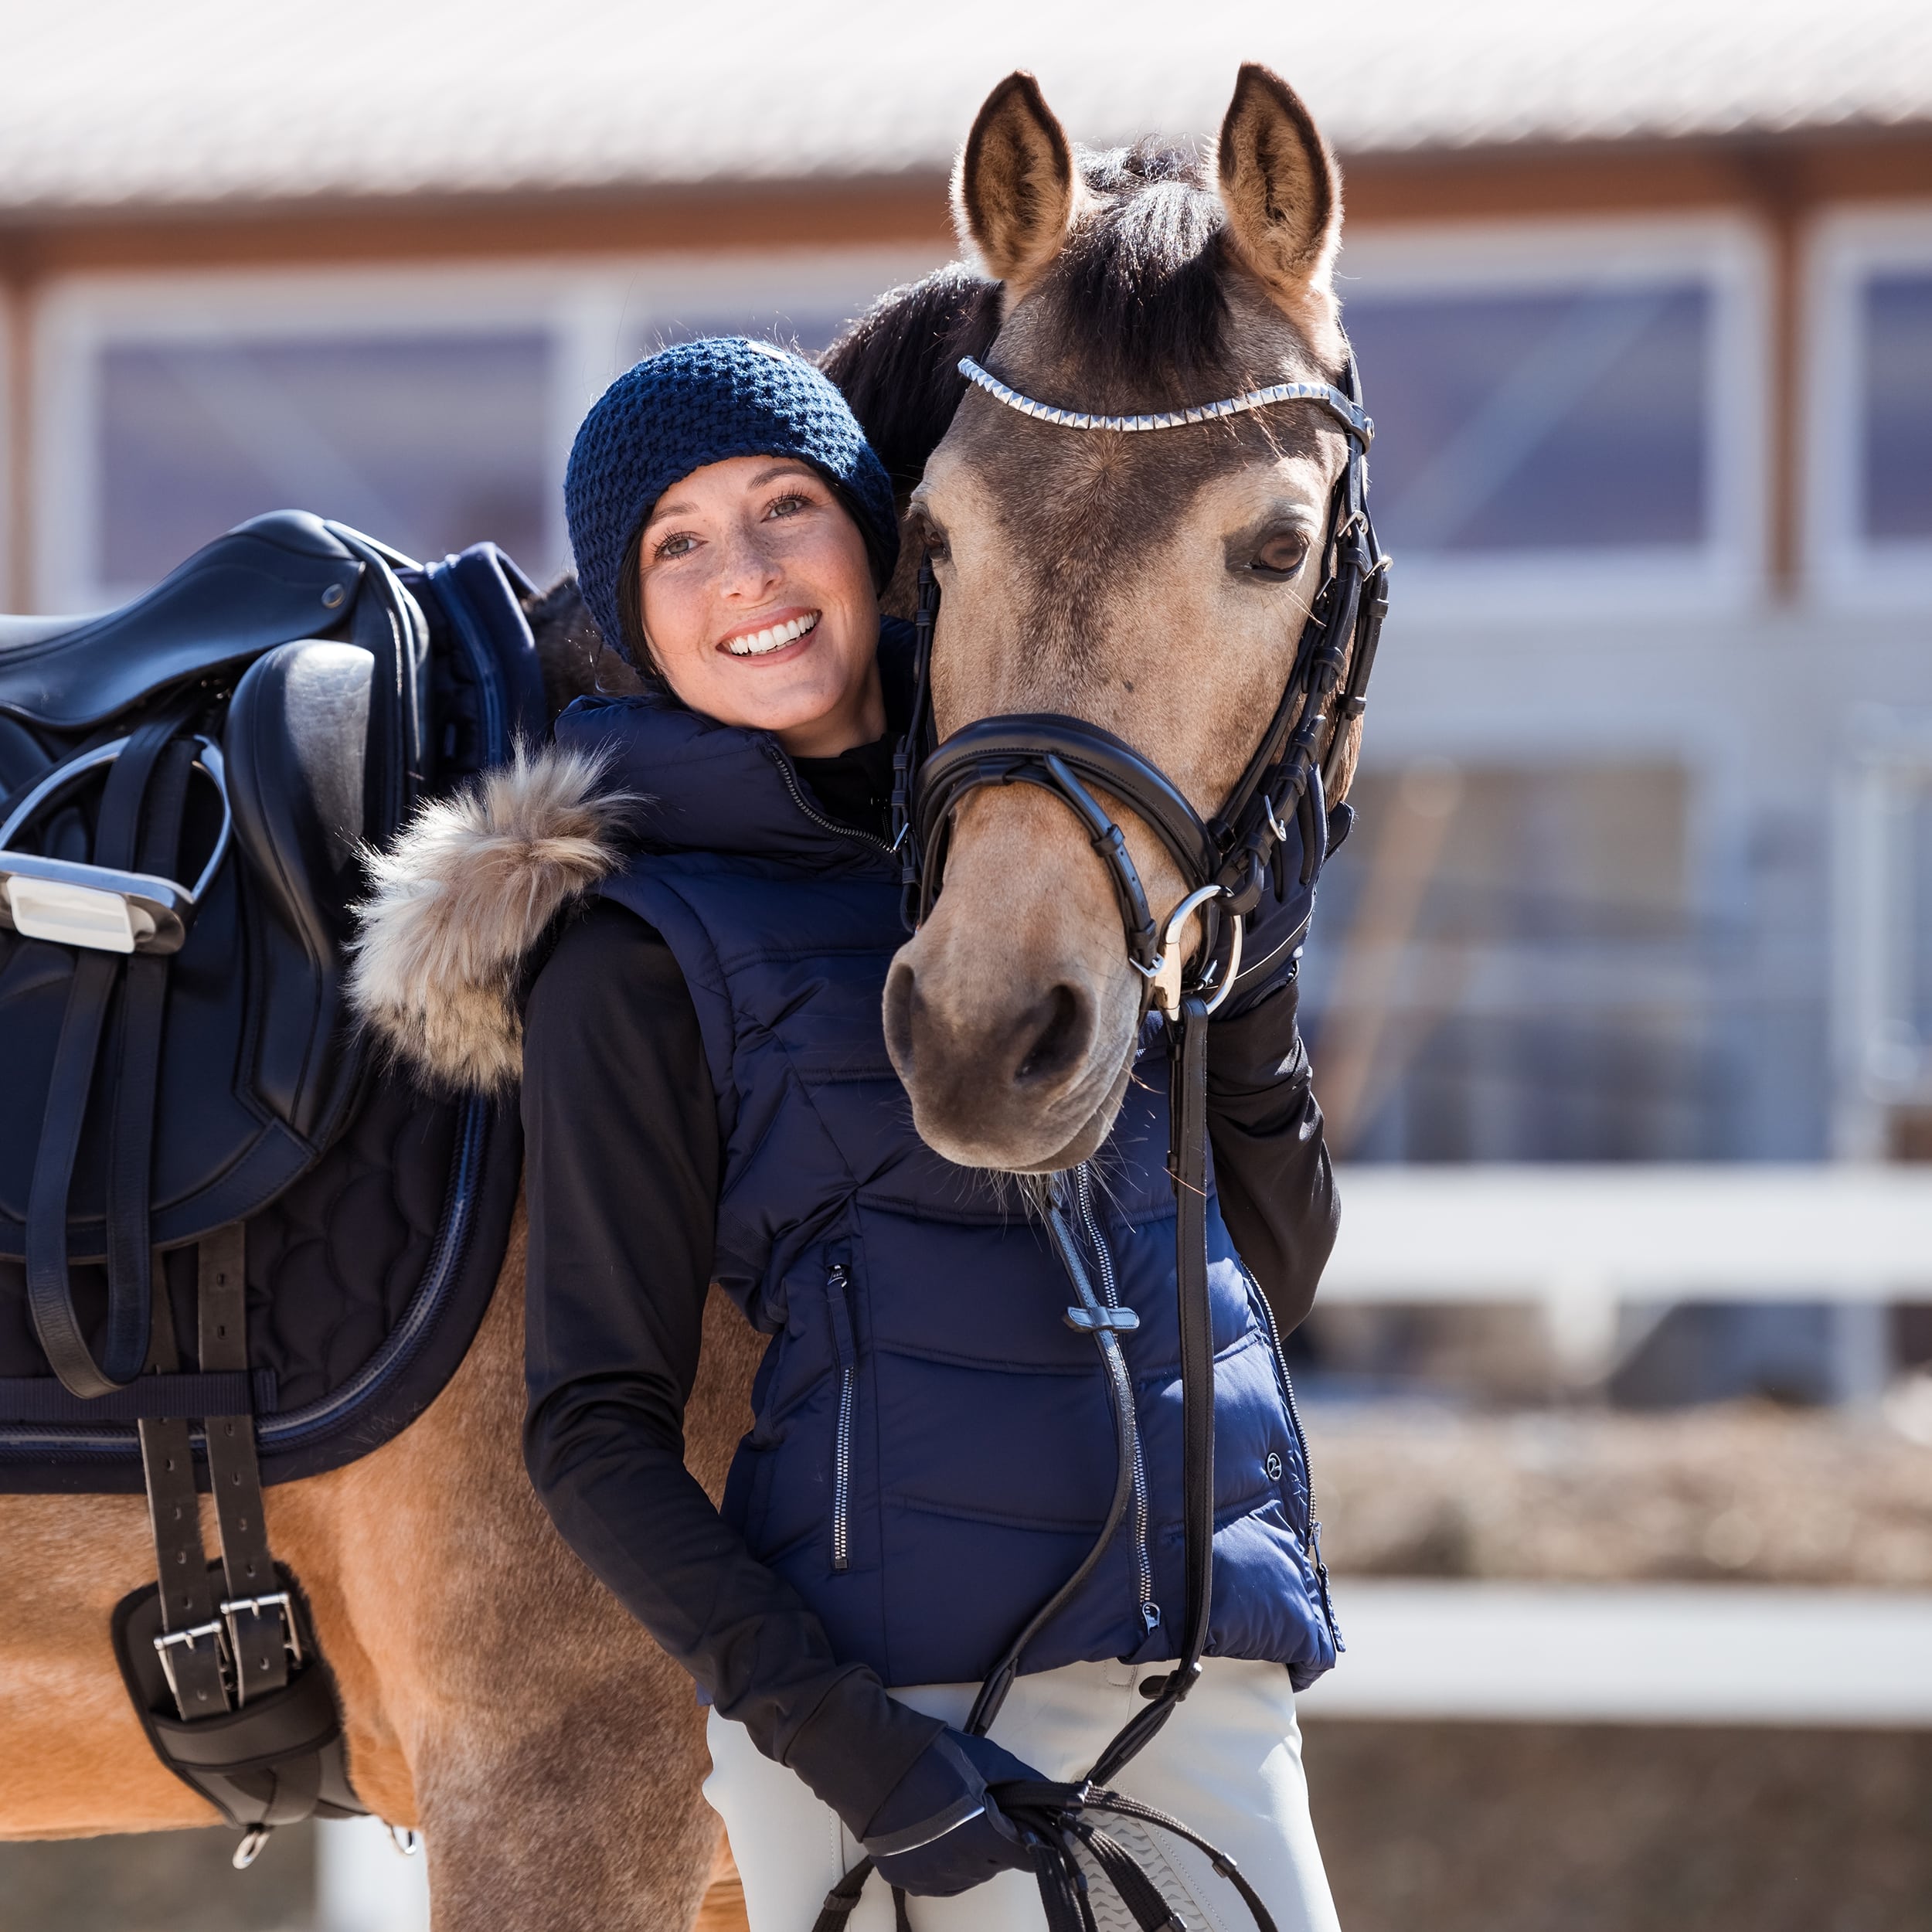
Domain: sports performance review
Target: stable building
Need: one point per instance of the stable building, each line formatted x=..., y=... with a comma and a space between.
x=1643, y=300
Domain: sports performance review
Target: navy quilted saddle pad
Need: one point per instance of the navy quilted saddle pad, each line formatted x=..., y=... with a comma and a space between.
x=311, y=687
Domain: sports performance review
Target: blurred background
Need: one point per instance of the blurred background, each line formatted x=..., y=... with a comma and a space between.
x=1621, y=993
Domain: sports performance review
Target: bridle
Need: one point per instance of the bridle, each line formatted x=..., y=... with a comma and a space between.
x=1224, y=861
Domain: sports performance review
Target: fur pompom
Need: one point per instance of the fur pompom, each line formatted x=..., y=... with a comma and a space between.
x=458, y=901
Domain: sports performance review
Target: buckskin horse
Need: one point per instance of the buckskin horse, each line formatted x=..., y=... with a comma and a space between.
x=1149, y=587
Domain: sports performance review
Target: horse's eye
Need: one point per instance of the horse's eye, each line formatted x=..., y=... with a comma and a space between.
x=1282, y=555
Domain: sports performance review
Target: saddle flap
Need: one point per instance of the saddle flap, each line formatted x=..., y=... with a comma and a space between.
x=295, y=743
x=271, y=579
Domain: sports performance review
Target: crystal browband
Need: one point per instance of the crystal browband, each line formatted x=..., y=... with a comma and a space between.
x=1351, y=417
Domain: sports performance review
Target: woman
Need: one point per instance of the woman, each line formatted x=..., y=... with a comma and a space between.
x=706, y=1097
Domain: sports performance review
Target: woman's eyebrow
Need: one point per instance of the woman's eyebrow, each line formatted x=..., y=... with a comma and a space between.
x=663, y=510
x=790, y=467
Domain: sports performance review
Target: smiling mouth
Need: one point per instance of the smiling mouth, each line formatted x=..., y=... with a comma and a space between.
x=757, y=644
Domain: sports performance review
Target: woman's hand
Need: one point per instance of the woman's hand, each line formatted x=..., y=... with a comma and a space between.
x=940, y=1831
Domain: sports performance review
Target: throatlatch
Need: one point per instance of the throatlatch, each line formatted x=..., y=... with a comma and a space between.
x=1225, y=863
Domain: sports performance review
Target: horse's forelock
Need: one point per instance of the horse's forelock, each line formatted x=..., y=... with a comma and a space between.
x=1139, y=293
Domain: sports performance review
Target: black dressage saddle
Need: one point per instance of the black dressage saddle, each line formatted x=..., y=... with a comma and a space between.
x=231, y=1251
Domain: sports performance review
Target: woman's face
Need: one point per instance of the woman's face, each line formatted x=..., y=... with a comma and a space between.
x=758, y=604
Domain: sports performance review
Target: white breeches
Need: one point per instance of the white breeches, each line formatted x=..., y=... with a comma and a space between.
x=1227, y=1765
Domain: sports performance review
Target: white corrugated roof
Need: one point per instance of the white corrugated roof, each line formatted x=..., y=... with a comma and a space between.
x=115, y=102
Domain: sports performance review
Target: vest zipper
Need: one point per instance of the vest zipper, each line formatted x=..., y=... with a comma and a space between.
x=836, y=1281
x=811, y=811
x=1150, y=1611
x=1307, y=1471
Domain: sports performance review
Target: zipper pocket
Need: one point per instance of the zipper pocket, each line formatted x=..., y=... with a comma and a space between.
x=1314, y=1532
x=838, y=1286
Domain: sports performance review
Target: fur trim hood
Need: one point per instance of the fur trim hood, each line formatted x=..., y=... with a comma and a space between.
x=459, y=899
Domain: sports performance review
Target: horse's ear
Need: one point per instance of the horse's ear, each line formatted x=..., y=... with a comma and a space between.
x=1015, y=190
x=1281, y=188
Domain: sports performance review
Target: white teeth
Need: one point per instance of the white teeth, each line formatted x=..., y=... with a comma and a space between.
x=757, y=643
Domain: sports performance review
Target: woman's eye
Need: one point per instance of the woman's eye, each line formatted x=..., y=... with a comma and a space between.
x=681, y=545
x=1282, y=555
x=788, y=506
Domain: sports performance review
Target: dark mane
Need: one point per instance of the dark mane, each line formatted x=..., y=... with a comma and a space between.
x=1138, y=286
x=898, y=364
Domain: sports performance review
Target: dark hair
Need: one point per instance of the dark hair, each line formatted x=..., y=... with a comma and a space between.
x=634, y=644
x=637, y=646
x=898, y=365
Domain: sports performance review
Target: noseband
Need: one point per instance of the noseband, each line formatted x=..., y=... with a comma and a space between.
x=1223, y=862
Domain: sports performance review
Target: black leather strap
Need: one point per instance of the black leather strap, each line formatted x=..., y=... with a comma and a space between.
x=1187, y=1161
x=144, y=998
x=257, y=1629
x=842, y=1900
x=49, y=1291
x=192, y=1659
x=985, y=752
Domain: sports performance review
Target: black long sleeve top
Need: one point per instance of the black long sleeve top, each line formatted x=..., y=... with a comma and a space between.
x=622, y=1173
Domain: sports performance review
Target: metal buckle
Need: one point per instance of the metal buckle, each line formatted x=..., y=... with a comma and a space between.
x=253, y=1841
x=275, y=1599
x=97, y=907
x=1167, y=976
x=169, y=1640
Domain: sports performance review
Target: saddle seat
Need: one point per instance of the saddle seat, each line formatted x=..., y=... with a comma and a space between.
x=268, y=581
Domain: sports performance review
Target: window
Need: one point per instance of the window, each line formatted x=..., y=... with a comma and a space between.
x=1869, y=456
x=430, y=441
x=1511, y=967
x=431, y=409
x=1567, y=420
x=1881, y=937
x=1896, y=475
x=1575, y=405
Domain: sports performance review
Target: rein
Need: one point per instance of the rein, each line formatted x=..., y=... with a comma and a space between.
x=1224, y=861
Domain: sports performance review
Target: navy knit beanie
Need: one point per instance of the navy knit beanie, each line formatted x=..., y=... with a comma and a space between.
x=699, y=403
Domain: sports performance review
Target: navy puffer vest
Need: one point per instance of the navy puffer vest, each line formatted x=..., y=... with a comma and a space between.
x=933, y=1451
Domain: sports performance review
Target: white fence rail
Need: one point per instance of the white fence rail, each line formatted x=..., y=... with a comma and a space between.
x=1822, y=1232
x=1585, y=1241
x=1553, y=1653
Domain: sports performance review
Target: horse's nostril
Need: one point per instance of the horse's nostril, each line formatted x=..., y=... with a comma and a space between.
x=898, y=1018
x=1062, y=1027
